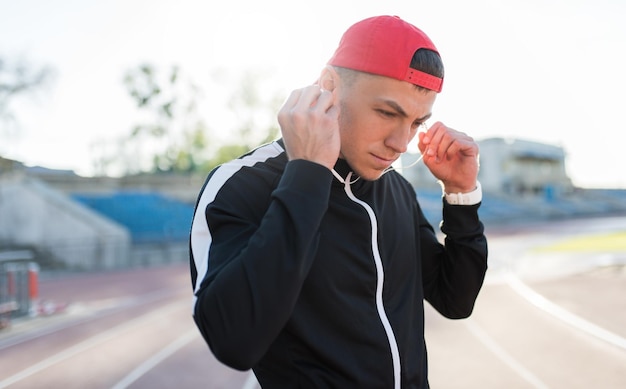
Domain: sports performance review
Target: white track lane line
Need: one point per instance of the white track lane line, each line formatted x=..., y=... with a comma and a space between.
x=150, y=363
x=86, y=344
x=91, y=315
x=575, y=321
x=505, y=357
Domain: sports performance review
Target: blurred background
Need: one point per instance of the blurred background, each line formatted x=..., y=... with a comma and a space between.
x=113, y=113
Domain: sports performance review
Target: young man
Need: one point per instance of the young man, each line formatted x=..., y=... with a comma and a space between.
x=310, y=261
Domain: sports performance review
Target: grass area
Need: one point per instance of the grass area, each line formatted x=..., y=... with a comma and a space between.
x=606, y=242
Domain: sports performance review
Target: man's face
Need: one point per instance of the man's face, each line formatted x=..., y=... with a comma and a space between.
x=378, y=118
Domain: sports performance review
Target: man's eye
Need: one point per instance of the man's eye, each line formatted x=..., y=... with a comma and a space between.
x=387, y=113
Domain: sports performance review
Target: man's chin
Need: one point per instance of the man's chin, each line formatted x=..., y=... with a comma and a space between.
x=366, y=173
x=369, y=175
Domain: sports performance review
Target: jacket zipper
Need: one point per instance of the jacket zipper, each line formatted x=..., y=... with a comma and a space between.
x=380, y=277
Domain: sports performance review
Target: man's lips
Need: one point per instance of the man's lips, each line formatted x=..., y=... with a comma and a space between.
x=384, y=159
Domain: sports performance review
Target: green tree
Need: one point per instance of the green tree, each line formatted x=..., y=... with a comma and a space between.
x=172, y=136
x=16, y=79
x=256, y=118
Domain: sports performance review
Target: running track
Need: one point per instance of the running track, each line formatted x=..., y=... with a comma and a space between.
x=547, y=328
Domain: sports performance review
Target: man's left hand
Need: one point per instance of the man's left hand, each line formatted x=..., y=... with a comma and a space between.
x=451, y=156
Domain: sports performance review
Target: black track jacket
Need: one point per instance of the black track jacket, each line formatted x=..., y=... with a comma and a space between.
x=314, y=283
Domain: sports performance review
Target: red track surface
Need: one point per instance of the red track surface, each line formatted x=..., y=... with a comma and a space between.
x=134, y=329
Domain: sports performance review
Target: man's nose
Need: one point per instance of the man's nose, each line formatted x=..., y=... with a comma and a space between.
x=399, y=139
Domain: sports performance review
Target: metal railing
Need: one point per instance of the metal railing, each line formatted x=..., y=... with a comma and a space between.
x=19, y=285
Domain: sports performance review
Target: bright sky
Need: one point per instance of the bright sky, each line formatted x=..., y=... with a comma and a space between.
x=544, y=70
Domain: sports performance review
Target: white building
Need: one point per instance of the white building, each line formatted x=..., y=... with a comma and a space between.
x=522, y=167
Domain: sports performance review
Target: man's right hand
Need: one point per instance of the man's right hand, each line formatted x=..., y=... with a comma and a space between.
x=309, y=124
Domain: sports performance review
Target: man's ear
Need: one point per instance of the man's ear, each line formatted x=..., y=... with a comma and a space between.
x=329, y=79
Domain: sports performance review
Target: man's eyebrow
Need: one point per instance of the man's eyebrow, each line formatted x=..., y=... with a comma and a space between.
x=401, y=111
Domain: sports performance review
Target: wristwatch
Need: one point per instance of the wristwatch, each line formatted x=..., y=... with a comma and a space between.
x=469, y=198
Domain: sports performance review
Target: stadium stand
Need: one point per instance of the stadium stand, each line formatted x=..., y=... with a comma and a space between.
x=150, y=217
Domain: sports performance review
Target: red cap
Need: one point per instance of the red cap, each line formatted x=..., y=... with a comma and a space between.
x=385, y=45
